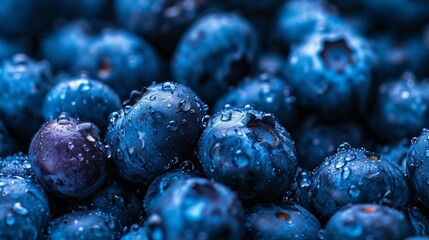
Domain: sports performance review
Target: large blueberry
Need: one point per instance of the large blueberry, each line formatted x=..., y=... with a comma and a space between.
x=24, y=209
x=160, y=21
x=68, y=157
x=84, y=225
x=264, y=93
x=215, y=53
x=155, y=129
x=71, y=38
x=23, y=85
x=368, y=221
x=7, y=144
x=418, y=167
x=332, y=73
x=357, y=176
x=316, y=140
x=16, y=165
x=83, y=98
x=401, y=109
x=197, y=208
x=269, y=221
x=248, y=151
x=121, y=60
x=162, y=183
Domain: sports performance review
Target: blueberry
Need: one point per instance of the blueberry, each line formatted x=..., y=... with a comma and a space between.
x=26, y=17
x=136, y=233
x=154, y=130
x=248, y=151
x=299, y=192
x=317, y=140
x=197, y=208
x=7, y=144
x=68, y=157
x=162, y=183
x=401, y=109
x=368, y=221
x=23, y=84
x=117, y=197
x=16, y=165
x=121, y=60
x=12, y=46
x=264, y=93
x=83, y=98
x=269, y=221
x=73, y=38
x=332, y=73
x=84, y=225
x=24, y=209
x=357, y=176
x=396, y=152
x=418, y=220
x=418, y=167
x=216, y=52
x=296, y=20
x=160, y=21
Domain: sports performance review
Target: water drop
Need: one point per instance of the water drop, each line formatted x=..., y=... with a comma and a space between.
x=70, y=146
x=63, y=119
x=108, y=151
x=241, y=159
x=414, y=140
x=172, y=125
x=10, y=219
x=350, y=157
x=226, y=116
x=168, y=86
x=184, y=106
x=19, y=209
x=248, y=107
x=85, y=86
x=344, y=147
x=354, y=191
x=346, y=173
x=341, y=162
x=187, y=167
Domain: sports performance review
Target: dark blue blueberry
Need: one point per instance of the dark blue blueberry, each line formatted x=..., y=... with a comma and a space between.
x=398, y=55
x=162, y=183
x=72, y=38
x=136, y=233
x=121, y=60
x=24, y=209
x=16, y=165
x=85, y=225
x=396, y=152
x=401, y=109
x=197, y=208
x=215, y=53
x=317, y=140
x=368, y=221
x=357, y=176
x=86, y=9
x=26, y=17
x=83, y=98
x=264, y=93
x=68, y=157
x=271, y=63
x=332, y=73
x=296, y=20
x=273, y=222
x=12, y=46
x=248, y=151
x=155, y=129
x=418, y=220
x=299, y=192
x=7, y=144
x=160, y=21
x=418, y=167
x=23, y=85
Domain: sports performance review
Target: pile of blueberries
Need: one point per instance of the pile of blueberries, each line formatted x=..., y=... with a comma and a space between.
x=214, y=119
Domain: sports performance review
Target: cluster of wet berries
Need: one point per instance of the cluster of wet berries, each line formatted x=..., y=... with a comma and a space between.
x=214, y=119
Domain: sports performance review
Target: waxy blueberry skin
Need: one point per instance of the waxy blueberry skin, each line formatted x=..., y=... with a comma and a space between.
x=197, y=208
x=155, y=130
x=248, y=151
x=418, y=167
x=24, y=209
x=357, y=176
x=120, y=59
x=84, y=225
x=216, y=52
x=368, y=221
x=264, y=93
x=26, y=81
x=68, y=157
x=167, y=23
x=274, y=222
x=87, y=99
x=332, y=73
